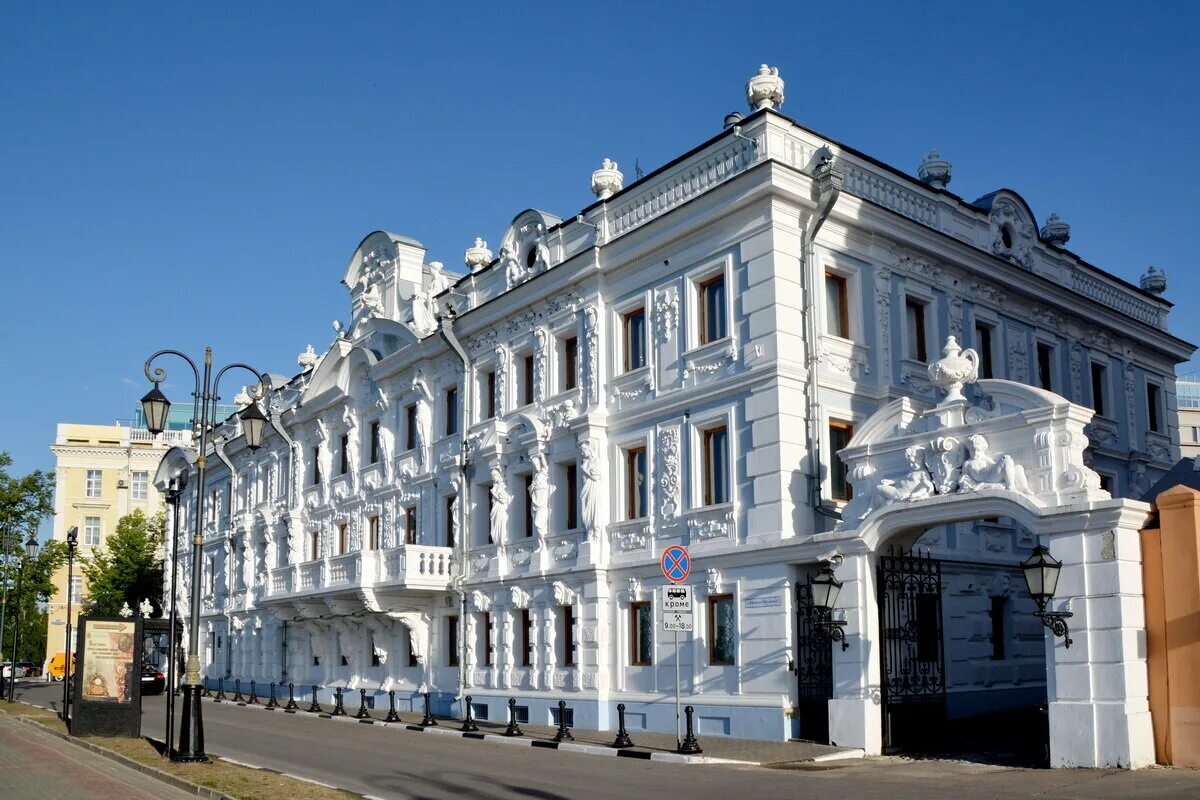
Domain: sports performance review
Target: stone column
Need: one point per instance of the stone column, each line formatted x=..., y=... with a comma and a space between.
x=855, y=713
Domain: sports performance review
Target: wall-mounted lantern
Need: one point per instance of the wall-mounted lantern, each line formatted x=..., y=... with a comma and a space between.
x=825, y=588
x=1041, y=576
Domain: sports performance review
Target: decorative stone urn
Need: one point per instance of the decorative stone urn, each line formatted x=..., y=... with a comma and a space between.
x=308, y=359
x=934, y=170
x=479, y=256
x=1055, y=231
x=1154, y=281
x=765, y=90
x=955, y=369
x=607, y=180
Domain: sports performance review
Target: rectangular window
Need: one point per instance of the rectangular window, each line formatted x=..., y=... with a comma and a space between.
x=840, y=434
x=410, y=525
x=722, y=630
x=527, y=496
x=1152, y=400
x=450, y=521
x=490, y=400
x=375, y=442
x=636, y=487
x=570, y=362
x=373, y=533
x=635, y=339
x=452, y=410
x=76, y=590
x=568, y=636
x=641, y=634
x=713, y=325
x=997, y=615
x=410, y=426
x=716, y=466
x=486, y=622
x=452, y=641
x=526, y=637
x=527, y=380
x=94, y=484
x=1099, y=388
x=140, y=490
x=1045, y=364
x=914, y=314
x=983, y=343
x=837, y=306
x=343, y=538
x=314, y=545
x=571, y=479
x=316, y=462
x=91, y=531
x=344, y=466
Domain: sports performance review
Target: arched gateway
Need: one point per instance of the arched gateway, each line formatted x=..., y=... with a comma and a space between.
x=995, y=448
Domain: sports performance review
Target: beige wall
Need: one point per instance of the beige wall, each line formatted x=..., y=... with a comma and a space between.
x=117, y=452
x=1189, y=432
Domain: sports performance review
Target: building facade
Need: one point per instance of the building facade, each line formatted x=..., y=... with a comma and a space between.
x=102, y=473
x=469, y=491
x=1188, y=390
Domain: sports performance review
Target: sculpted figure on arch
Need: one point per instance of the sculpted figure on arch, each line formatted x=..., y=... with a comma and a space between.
x=982, y=471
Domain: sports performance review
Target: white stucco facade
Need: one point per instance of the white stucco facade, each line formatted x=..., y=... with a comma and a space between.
x=469, y=490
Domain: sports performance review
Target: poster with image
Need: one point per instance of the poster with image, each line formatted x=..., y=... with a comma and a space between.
x=108, y=662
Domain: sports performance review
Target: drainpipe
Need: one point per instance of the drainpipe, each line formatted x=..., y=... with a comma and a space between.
x=827, y=186
x=446, y=329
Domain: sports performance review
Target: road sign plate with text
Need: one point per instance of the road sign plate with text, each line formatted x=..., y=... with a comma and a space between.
x=676, y=608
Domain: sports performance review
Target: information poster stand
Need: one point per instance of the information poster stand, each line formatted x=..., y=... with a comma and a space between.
x=108, y=677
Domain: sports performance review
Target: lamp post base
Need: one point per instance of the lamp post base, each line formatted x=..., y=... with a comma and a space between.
x=191, y=728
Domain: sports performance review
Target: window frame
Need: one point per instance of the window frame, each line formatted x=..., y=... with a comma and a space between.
x=343, y=529
x=374, y=448
x=314, y=541
x=373, y=532
x=985, y=347
x=1042, y=346
x=526, y=638
x=920, y=337
x=635, y=608
x=708, y=481
x=489, y=388
x=410, y=427
x=95, y=489
x=344, y=455
x=567, y=635
x=571, y=498
x=627, y=344
x=711, y=608
x=636, y=496
x=143, y=484
x=836, y=465
x=528, y=384
x=410, y=524
x=452, y=640
x=448, y=505
x=1155, y=406
x=703, y=287
x=87, y=529
x=527, y=494
x=842, y=282
x=450, y=410
x=568, y=353
x=1098, y=375
x=487, y=639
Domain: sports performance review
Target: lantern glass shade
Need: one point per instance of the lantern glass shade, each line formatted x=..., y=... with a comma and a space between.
x=155, y=406
x=1041, y=573
x=72, y=536
x=254, y=425
x=825, y=588
x=31, y=547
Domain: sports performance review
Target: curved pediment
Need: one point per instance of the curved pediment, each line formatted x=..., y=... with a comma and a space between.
x=1014, y=229
x=344, y=368
x=175, y=462
x=376, y=248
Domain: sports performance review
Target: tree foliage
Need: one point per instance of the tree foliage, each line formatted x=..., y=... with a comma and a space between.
x=127, y=568
x=24, y=502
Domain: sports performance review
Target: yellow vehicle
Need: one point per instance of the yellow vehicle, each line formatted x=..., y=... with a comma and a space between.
x=54, y=668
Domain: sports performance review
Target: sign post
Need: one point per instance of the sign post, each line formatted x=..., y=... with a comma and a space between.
x=676, y=610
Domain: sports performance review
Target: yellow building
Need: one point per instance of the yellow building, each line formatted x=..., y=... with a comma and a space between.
x=102, y=472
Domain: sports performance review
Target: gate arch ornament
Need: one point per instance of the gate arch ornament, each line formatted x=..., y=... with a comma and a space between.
x=999, y=448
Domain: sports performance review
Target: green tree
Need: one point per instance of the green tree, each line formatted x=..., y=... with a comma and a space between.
x=24, y=502
x=127, y=568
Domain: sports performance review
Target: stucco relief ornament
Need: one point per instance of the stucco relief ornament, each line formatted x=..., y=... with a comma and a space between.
x=1055, y=231
x=955, y=369
x=607, y=180
x=308, y=359
x=934, y=170
x=981, y=471
x=916, y=485
x=765, y=90
x=514, y=271
x=479, y=256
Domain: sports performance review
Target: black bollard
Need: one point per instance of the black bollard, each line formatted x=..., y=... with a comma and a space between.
x=206, y=692
x=291, y=703
x=392, y=716
x=237, y=691
x=362, y=705
x=253, y=693
x=220, y=690
x=315, y=708
x=271, y=702
x=469, y=722
x=562, y=734
x=513, y=728
x=622, y=739
x=428, y=719
x=339, y=710
x=690, y=745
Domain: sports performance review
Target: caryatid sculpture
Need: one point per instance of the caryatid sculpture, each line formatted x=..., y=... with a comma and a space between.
x=499, y=514
x=592, y=476
x=539, y=498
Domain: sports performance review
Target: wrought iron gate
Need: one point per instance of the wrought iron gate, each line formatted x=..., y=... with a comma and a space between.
x=912, y=667
x=814, y=669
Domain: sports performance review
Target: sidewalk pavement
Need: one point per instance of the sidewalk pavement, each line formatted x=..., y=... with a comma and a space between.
x=34, y=765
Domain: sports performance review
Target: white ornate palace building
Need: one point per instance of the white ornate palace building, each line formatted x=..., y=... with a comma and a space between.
x=469, y=490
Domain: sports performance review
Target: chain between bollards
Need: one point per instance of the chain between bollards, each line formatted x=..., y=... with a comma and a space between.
x=562, y=734
x=468, y=721
x=428, y=719
x=291, y=703
x=689, y=744
x=513, y=728
x=392, y=716
x=622, y=739
x=272, y=703
x=339, y=710
x=315, y=708
x=362, y=705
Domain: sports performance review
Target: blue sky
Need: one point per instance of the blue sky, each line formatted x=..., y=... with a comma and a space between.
x=175, y=175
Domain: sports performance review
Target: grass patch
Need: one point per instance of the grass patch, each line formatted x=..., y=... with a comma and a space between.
x=241, y=783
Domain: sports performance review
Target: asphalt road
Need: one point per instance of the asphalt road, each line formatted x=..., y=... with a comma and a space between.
x=396, y=763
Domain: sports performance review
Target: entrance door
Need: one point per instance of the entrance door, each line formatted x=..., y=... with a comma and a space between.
x=814, y=669
x=912, y=667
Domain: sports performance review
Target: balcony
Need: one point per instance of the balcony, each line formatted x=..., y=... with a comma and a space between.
x=410, y=566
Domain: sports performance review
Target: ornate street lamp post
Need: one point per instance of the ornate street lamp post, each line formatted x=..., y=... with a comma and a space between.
x=31, y=549
x=1041, y=576
x=174, y=489
x=72, y=543
x=156, y=406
